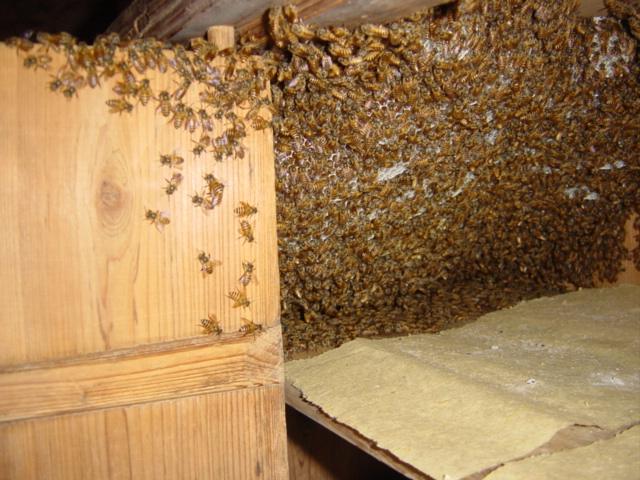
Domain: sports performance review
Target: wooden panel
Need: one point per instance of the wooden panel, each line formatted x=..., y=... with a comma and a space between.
x=234, y=435
x=81, y=270
x=184, y=19
x=138, y=375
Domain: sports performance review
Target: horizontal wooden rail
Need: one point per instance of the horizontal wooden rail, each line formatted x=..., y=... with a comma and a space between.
x=141, y=374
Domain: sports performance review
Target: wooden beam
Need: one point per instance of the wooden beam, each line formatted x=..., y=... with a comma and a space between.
x=179, y=20
x=130, y=376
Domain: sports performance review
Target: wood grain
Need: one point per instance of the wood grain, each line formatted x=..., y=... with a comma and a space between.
x=227, y=435
x=131, y=376
x=81, y=270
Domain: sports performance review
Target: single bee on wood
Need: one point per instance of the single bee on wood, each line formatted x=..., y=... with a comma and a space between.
x=239, y=298
x=201, y=145
x=164, y=103
x=173, y=183
x=250, y=328
x=246, y=231
x=245, y=210
x=247, y=275
x=206, y=264
x=144, y=91
x=172, y=160
x=157, y=218
x=210, y=325
x=259, y=123
x=41, y=60
x=119, y=105
x=215, y=189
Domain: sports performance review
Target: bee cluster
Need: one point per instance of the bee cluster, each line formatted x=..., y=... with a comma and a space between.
x=436, y=168
x=428, y=170
x=224, y=81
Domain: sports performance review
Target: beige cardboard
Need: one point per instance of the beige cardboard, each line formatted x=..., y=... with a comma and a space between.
x=492, y=391
x=616, y=458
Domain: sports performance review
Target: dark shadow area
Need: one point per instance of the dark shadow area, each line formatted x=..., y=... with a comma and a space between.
x=82, y=18
x=316, y=453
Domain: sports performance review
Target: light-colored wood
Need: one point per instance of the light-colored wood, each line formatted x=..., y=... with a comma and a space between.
x=222, y=36
x=81, y=270
x=139, y=375
x=294, y=399
x=228, y=435
x=184, y=19
x=104, y=371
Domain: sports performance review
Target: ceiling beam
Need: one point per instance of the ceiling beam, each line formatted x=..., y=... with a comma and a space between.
x=179, y=20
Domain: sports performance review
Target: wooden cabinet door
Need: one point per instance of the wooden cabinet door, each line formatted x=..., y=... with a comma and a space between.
x=104, y=369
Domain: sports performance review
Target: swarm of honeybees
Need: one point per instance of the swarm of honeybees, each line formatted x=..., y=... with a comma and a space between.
x=435, y=168
x=428, y=170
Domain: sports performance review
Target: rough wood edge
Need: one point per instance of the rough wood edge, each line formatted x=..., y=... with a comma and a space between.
x=293, y=398
x=223, y=36
x=142, y=374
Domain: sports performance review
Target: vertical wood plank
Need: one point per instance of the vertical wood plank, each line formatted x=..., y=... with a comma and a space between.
x=82, y=270
x=225, y=435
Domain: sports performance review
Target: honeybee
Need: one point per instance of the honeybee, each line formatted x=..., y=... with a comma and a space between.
x=21, y=43
x=302, y=31
x=375, y=30
x=173, y=183
x=92, y=77
x=41, y=60
x=201, y=144
x=144, y=91
x=119, y=105
x=125, y=88
x=55, y=84
x=164, y=103
x=210, y=325
x=245, y=210
x=250, y=328
x=206, y=264
x=215, y=189
x=182, y=89
x=190, y=120
x=259, y=123
x=247, y=274
x=205, y=120
x=246, y=231
x=338, y=50
x=171, y=160
x=239, y=298
x=157, y=218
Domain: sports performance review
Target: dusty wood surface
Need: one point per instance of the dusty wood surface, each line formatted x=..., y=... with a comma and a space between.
x=184, y=19
x=228, y=435
x=173, y=370
x=81, y=269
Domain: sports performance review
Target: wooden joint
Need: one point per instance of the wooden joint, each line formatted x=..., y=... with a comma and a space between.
x=142, y=374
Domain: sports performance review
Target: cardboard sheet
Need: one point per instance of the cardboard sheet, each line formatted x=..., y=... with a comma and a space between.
x=491, y=392
x=616, y=458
